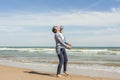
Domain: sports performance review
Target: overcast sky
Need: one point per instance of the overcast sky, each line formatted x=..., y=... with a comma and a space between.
x=86, y=22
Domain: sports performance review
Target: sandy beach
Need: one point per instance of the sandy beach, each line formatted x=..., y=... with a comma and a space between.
x=13, y=73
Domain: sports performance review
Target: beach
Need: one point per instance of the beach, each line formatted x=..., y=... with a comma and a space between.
x=14, y=73
x=99, y=63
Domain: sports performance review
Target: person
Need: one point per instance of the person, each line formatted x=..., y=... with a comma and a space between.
x=61, y=44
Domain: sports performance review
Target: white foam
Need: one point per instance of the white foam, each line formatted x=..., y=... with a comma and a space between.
x=72, y=51
x=47, y=50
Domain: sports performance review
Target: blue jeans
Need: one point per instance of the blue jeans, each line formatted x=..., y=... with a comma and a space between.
x=62, y=61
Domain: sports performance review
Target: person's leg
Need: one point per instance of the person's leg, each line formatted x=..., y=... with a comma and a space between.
x=61, y=61
x=65, y=60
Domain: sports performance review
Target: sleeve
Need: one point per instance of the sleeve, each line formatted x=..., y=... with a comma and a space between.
x=60, y=40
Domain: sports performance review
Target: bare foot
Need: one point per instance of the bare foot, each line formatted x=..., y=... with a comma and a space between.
x=66, y=74
x=58, y=75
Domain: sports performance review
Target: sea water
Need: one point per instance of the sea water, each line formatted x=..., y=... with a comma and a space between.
x=88, y=61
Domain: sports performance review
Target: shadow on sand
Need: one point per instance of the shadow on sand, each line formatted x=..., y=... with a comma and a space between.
x=39, y=73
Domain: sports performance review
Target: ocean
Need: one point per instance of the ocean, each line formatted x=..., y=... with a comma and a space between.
x=88, y=61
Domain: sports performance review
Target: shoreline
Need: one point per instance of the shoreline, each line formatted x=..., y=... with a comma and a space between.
x=15, y=73
x=48, y=68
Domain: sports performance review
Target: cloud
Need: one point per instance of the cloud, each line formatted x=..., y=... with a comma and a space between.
x=86, y=18
x=92, y=40
x=116, y=10
x=9, y=29
x=98, y=28
x=96, y=31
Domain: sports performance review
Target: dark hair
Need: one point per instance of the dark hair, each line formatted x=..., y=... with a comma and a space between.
x=53, y=29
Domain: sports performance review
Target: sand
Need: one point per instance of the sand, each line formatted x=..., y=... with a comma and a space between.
x=13, y=73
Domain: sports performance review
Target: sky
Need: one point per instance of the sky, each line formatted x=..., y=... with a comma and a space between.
x=86, y=22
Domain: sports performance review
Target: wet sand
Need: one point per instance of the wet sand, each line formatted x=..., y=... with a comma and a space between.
x=14, y=73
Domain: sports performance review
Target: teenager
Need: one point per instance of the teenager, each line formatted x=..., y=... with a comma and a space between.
x=61, y=45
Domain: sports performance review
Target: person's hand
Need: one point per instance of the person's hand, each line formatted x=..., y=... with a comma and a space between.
x=69, y=44
x=68, y=47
